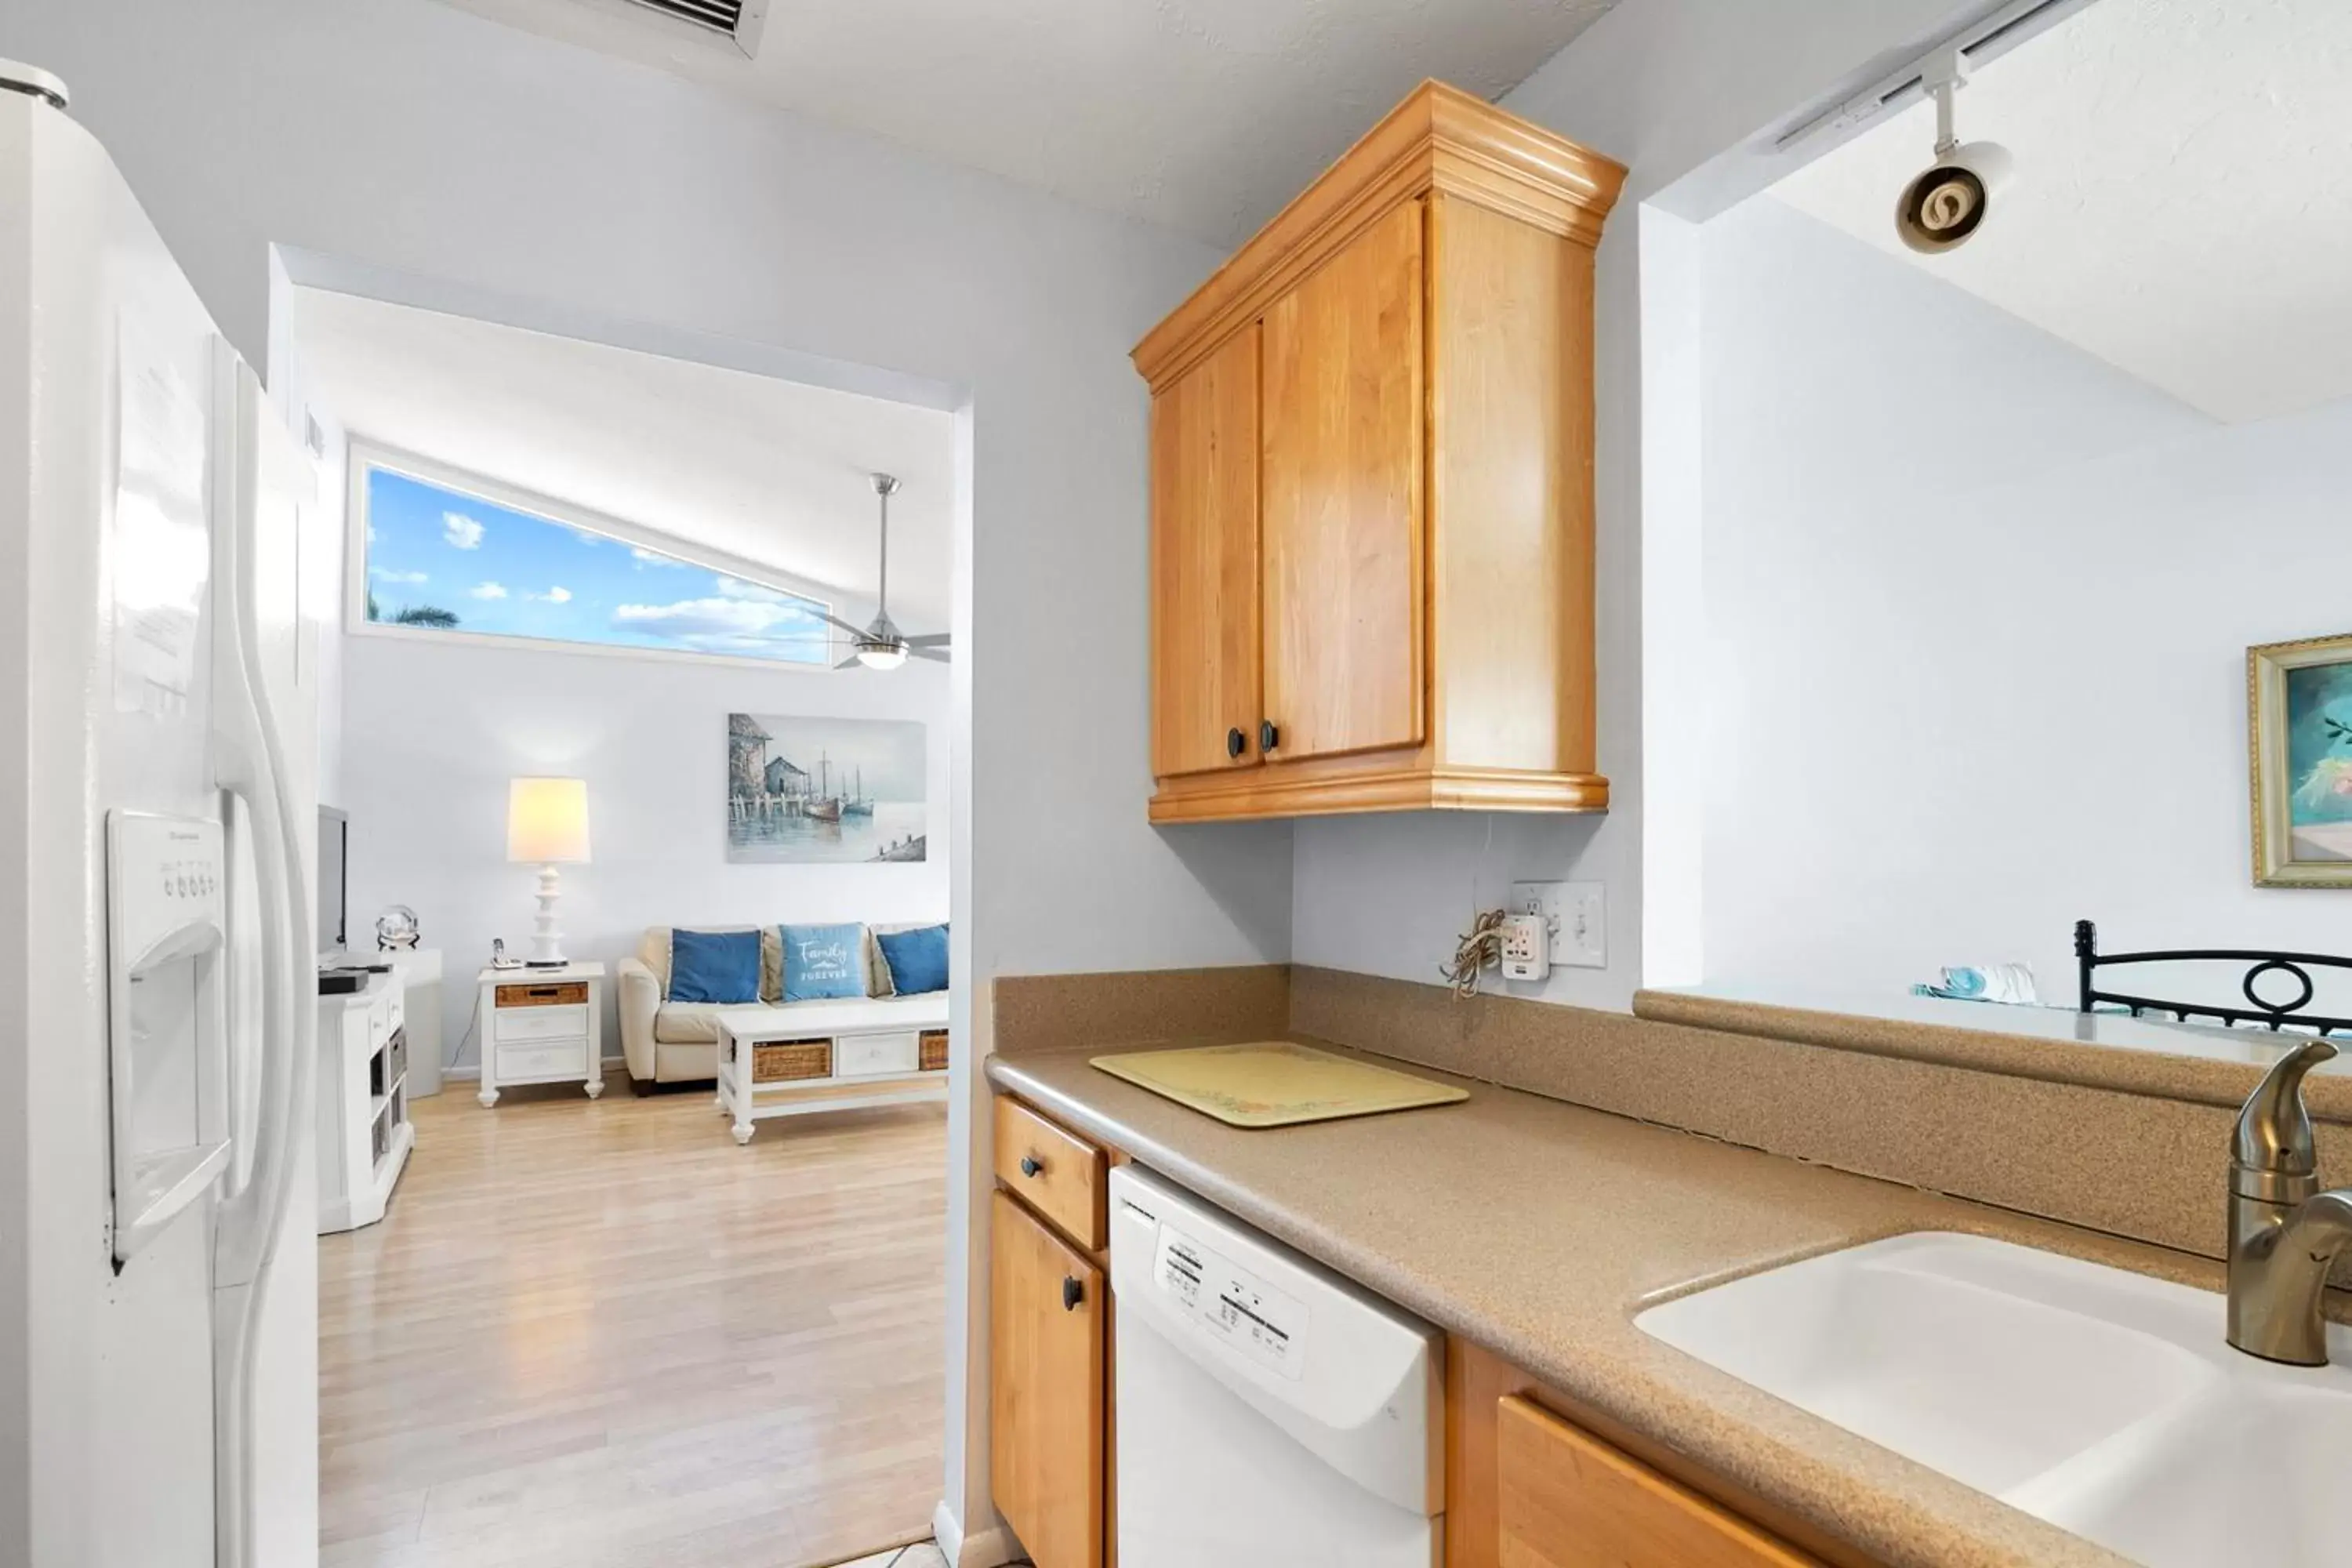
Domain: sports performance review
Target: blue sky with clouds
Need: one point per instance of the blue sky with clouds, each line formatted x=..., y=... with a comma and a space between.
x=510, y=573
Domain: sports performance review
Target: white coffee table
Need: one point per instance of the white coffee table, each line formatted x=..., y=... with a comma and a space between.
x=831, y=1056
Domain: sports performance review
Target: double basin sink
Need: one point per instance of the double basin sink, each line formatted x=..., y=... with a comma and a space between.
x=2099, y=1400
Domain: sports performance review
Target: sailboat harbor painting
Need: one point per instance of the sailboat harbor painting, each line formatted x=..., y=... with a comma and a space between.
x=825, y=790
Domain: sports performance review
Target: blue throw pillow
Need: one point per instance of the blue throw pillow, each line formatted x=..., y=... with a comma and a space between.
x=823, y=963
x=918, y=959
x=714, y=966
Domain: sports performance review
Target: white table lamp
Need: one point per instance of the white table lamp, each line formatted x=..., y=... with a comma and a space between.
x=547, y=825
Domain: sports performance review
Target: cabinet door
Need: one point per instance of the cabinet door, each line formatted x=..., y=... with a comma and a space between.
x=1342, y=524
x=1205, y=564
x=1569, y=1500
x=1046, y=1314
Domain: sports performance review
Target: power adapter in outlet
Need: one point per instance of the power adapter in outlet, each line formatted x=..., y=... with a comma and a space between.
x=1526, y=948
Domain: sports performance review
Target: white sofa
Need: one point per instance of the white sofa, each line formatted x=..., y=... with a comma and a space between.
x=677, y=1042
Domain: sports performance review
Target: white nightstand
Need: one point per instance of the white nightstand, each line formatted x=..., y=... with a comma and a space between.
x=541, y=1026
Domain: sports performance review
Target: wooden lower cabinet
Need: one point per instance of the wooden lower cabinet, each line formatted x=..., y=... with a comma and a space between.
x=1566, y=1499
x=1048, y=1309
x=1534, y=1480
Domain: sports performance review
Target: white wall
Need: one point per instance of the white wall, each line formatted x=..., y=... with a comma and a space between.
x=1978, y=612
x=434, y=730
x=1677, y=90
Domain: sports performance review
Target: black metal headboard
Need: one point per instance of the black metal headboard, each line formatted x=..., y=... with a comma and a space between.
x=2297, y=966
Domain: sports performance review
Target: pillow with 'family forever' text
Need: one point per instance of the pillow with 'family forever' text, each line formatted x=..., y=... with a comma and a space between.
x=823, y=963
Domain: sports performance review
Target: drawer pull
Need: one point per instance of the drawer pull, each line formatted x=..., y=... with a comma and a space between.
x=1031, y=1165
x=1072, y=1293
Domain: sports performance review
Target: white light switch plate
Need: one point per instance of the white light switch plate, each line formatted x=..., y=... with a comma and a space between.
x=1578, y=915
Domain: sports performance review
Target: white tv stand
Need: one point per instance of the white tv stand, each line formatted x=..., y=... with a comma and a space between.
x=364, y=1134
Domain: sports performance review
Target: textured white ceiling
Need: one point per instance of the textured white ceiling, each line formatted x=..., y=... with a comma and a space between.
x=1202, y=115
x=2182, y=208
x=773, y=472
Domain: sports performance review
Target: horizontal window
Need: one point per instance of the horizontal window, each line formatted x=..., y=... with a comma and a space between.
x=438, y=559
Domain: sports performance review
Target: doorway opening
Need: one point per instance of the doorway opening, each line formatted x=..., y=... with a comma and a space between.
x=633, y=1251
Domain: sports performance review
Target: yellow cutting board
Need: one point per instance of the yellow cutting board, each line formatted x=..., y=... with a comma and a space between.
x=1273, y=1083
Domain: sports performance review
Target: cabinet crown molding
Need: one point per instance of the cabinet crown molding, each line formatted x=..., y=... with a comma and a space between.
x=1439, y=139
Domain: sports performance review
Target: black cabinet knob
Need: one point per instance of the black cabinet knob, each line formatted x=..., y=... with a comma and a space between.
x=1235, y=742
x=1268, y=737
x=1030, y=1165
x=1072, y=1293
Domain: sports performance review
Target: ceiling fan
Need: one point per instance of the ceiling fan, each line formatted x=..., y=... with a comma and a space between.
x=880, y=645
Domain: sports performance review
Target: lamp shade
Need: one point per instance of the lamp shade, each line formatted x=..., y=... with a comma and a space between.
x=546, y=820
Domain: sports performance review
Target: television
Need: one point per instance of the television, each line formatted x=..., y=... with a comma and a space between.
x=334, y=862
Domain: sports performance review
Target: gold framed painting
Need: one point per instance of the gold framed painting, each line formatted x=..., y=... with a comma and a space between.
x=2299, y=716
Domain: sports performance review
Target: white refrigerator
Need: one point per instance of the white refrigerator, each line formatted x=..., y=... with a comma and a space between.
x=158, y=1313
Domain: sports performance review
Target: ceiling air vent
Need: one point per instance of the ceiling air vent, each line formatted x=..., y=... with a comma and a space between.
x=737, y=21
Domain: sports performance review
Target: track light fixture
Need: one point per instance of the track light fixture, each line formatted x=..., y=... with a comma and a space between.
x=1946, y=206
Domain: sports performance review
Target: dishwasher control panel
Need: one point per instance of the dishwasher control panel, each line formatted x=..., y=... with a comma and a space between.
x=1237, y=1308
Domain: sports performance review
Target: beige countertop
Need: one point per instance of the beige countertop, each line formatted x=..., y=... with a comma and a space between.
x=1537, y=1229
x=2198, y=1062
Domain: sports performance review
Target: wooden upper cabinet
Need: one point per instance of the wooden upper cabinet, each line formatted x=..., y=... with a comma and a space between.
x=1205, y=564
x=1392, y=579
x=1342, y=480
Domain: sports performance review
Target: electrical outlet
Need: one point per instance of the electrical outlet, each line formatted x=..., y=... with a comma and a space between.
x=1577, y=915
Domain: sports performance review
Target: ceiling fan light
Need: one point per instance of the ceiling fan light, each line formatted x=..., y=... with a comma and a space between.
x=882, y=656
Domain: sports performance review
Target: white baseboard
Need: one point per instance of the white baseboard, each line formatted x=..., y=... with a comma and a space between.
x=990, y=1548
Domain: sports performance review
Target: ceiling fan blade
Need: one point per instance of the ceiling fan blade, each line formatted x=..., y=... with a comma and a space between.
x=929, y=639
x=845, y=626
x=936, y=655
x=849, y=663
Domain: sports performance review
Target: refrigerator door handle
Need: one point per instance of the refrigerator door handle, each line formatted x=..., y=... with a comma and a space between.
x=252, y=765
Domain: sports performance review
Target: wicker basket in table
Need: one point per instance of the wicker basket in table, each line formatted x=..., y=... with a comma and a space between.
x=782, y=1061
x=934, y=1051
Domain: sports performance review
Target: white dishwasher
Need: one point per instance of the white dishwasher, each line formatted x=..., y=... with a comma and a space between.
x=1271, y=1415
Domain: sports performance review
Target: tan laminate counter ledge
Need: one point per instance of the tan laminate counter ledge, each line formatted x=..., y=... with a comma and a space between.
x=1536, y=1229
x=2199, y=1063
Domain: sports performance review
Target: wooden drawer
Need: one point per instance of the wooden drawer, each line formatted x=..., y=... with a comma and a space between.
x=1569, y=1500
x=868, y=1055
x=1052, y=1170
x=536, y=1063
x=538, y=1022
x=555, y=994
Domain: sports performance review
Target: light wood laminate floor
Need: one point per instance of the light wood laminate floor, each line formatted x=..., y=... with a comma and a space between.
x=600, y=1335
